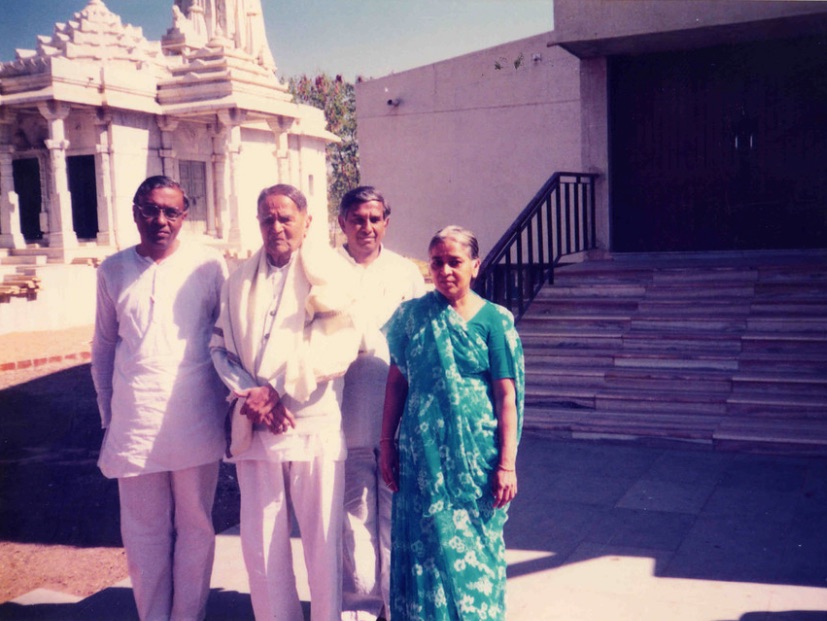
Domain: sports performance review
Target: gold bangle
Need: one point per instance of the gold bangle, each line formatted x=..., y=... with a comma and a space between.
x=505, y=469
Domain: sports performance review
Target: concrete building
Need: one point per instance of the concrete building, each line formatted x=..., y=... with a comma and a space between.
x=96, y=107
x=703, y=119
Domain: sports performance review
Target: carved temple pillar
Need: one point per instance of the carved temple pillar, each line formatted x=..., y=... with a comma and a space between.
x=167, y=126
x=280, y=126
x=59, y=230
x=107, y=233
x=232, y=120
x=217, y=214
x=10, y=232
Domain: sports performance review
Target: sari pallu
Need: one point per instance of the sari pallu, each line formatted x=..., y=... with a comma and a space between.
x=448, y=554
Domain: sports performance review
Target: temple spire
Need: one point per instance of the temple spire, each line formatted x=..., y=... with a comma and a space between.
x=239, y=22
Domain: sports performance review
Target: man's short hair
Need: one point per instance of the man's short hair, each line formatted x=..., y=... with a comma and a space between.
x=153, y=183
x=284, y=189
x=363, y=194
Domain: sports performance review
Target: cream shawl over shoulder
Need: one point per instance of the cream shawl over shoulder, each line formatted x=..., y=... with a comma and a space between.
x=313, y=337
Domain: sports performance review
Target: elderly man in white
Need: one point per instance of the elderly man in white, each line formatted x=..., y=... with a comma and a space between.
x=384, y=280
x=161, y=402
x=282, y=343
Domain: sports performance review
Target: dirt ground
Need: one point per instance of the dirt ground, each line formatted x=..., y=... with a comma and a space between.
x=59, y=525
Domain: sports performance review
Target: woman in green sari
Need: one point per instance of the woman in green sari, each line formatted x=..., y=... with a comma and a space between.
x=451, y=424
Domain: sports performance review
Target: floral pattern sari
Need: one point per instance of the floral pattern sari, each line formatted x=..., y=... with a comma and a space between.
x=448, y=554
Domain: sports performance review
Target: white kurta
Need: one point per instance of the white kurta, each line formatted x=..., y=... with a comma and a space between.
x=261, y=331
x=382, y=285
x=160, y=399
x=318, y=431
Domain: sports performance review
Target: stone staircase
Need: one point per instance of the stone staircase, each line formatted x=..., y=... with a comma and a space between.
x=724, y=350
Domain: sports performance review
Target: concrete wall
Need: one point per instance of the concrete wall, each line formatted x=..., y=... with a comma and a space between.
x=66, y=299
x=598, y=19
x=468, y=143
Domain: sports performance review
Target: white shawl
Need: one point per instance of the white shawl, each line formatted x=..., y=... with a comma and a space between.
x=313, y=338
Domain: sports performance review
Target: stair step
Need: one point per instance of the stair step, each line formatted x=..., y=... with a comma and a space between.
x=592, y=291
x=701, y=309
x=626, y=423
x=693, y=292
x=600, y=324
x=790, y=293
x=746, y=380
x=655, y=361
x=675, y=347
x=794, y=431
x=660, y=401
x=705, y=381
x=541, y=359
x=571, y=341
x=24, y=260
x=800, y=406
x=560, y=396
x=715, y=277
x=813, y=363
x=581, y=306
x=711, y=343
x=691, y=324
x=788, y=324
x=772, y=308
x=791, y=344
x=569, y=378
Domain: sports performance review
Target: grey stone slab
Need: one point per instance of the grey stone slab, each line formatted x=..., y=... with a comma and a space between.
x=658, y=495
x=587, y=489
x=751, y=502
x=732, y=548
x=555, y=527
x=690, y=466
x=591, y=550
x=805, y=560
x=777, y=474
x=586, y=458
x=814, y=492
x=632, y=528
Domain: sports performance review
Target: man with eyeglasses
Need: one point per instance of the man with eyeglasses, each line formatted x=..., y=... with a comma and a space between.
x=161, y=402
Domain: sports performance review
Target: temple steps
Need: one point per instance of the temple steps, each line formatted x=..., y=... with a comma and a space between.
x=721, y=350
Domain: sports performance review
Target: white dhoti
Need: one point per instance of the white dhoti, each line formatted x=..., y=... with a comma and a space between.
x=265, y=535
x=367, y=537
x=167, y=530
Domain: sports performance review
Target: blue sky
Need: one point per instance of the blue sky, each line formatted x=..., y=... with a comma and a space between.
x=371, y=38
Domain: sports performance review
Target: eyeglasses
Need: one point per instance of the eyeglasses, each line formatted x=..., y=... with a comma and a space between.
x=151, y=211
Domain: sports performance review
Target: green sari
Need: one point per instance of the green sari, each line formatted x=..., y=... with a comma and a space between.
x=447, y=552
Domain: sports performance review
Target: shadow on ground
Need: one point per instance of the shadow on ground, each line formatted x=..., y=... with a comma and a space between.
x=51, y=491
x=116, y=604
x=699, y=514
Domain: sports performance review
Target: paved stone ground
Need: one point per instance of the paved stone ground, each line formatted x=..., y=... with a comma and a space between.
x=599, y=532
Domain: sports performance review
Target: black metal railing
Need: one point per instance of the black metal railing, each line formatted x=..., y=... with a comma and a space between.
x=559, y=221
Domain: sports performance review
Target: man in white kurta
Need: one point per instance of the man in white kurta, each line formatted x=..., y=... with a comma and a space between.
x=161, y=402
x=384, y=280
x=282, y=344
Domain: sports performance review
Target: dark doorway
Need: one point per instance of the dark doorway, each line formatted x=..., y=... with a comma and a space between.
x=26, y=174
x=193, y=178
x=83, y=187
x=720, y=149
